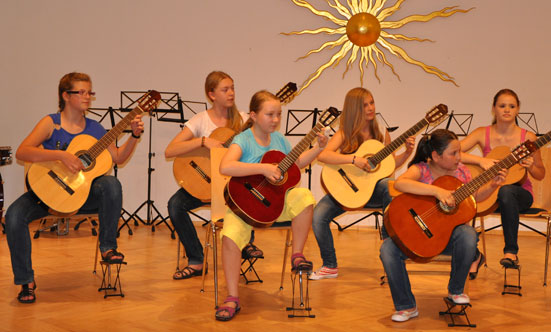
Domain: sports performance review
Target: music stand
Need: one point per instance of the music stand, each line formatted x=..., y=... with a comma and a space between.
x=528, y=121
x=460, y=124
x=170, y=104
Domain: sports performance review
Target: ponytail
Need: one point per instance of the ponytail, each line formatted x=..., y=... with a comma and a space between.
x=437, y=141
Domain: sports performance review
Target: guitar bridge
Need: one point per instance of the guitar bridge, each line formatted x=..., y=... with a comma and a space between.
x=200, y=171
x=348, y=180
x=420, y=223
x=257, y=194
x=62, y=184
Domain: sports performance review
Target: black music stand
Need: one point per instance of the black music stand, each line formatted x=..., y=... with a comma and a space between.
x=5, y=159
x=528, y=121
x=459, y=123
x=170, y=104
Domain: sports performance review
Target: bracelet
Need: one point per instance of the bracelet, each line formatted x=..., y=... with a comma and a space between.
x=136, y=136
x=203, y=141
x=353, y=159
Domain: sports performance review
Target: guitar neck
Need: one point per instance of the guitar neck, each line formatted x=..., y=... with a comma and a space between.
x=395, y=144
x=304, y=144
x=468, y=189
x=102, y=144
x=544, y=139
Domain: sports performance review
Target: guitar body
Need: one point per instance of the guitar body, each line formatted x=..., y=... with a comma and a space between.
x=352, y=187
x=516, y=174
x=62, y=190
x=407, y=233
x=262, y=210
x=192, y=170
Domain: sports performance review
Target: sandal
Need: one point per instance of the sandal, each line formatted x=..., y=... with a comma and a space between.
x=509, y=263
x=473, y=275
x=27, y=291
x=251, y=251
x=188, y=272
x=299, y=263
x=109, y=257
x=230, y=310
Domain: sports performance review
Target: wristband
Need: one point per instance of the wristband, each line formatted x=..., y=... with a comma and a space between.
x=203, y=141
x=353, y=159
x=136, y=136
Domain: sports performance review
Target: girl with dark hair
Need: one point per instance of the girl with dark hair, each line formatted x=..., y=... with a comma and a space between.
x=437, y=154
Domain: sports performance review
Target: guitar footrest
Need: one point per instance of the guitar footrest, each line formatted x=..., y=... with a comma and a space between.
x=111, y=288
x=303, y=308
x=247, y=266
x=455, y=310
x=511, y=288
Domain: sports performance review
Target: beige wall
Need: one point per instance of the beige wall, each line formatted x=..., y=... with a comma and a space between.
x=172, y=45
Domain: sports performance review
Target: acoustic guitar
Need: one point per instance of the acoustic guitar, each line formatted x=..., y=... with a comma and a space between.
x=257, y=200
x=192, y=170
x=421, y=226
x=65, y=192
x=516, y=174
x=351, y=186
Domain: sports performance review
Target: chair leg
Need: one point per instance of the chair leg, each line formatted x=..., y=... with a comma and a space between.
x=547, y=240
x=96, y=258
x=483, y=233
x=288, y=244
x=178, y=257
x=206, y=255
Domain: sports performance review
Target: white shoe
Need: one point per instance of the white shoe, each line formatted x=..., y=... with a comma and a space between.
x=324, y=273
x=459, y=298
x=403, y=315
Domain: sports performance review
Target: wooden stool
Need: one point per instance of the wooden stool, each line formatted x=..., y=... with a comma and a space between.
x=509, y=288
x=454, y=313
x=106, y=284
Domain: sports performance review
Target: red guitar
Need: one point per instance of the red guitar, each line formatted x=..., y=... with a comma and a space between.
x=260, y=202
x=421, y=226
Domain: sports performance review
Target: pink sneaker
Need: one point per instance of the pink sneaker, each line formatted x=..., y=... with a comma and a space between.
x=403, y=315
x=459, y=298
x=324, y=273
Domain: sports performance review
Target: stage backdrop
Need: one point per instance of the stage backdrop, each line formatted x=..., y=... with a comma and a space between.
x=172, y=45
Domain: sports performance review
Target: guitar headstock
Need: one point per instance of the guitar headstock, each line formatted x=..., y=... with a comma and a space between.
x=329, y=116
x=287, y=93
x=149, y=101
x=437, y=113
x=524, y=150
x=5, y=155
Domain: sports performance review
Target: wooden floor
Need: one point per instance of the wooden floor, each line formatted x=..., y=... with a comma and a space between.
x=68, y=297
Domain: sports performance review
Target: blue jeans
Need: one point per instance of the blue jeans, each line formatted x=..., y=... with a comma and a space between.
x=512, y=200
x=462, y=248
x=178, y=207
x=327, y=209
x=105, y=199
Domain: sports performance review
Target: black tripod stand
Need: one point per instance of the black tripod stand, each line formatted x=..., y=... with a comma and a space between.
x=149, y=203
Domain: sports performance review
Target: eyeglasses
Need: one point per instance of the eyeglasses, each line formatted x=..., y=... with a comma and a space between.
x=82, y=93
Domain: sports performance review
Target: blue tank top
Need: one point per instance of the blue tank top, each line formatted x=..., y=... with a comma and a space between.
x=60, y=138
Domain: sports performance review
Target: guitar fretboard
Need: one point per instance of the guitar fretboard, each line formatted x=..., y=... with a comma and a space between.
x=304, y=144
x=378, y=157
x=468, y=189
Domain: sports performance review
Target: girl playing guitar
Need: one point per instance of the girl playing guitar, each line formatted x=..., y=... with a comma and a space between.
x=242, y=159
x=437, y=154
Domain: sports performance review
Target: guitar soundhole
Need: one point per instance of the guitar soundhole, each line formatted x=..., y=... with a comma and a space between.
x=446, y=208
x=279, y=182
x=85, y=159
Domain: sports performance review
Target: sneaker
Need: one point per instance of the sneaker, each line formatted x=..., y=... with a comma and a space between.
x=403, y=315
x=324, y=273
x=459, y=298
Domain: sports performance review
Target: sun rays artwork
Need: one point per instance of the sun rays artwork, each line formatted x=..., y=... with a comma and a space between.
x=364, y=32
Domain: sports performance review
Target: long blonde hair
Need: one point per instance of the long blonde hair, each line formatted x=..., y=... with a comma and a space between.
x=353, y=119
x=235, y=122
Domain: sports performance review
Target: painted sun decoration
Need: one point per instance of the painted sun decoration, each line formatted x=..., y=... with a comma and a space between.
x=365, y=32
